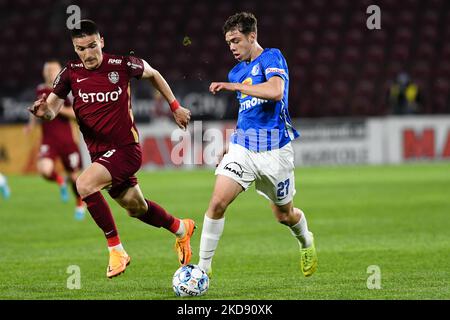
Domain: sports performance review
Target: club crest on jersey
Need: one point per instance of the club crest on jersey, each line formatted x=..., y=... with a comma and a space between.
x=255, y=70
x=113, y=77
x=58, y=77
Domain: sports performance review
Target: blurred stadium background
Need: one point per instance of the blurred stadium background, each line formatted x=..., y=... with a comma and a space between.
x=348, y=98
x=338, y=67
x=341, y=72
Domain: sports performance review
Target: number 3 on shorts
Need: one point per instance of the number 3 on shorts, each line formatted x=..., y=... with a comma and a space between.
x=283, y=189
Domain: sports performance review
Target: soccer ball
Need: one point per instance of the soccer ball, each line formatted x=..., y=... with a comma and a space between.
x=190, y=280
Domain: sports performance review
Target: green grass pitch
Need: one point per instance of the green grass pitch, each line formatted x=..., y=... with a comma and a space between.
x=394, y=217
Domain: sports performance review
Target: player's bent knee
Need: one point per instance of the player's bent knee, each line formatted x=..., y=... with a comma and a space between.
x=134, y=213
x=217, y=207
x=84, y=188
x=285, y=215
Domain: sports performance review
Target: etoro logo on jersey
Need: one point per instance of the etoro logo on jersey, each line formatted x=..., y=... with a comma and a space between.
x=100, y=96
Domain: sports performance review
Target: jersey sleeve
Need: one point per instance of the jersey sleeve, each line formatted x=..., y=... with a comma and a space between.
x=135, y=67
x=273, y=65
x=61, y=85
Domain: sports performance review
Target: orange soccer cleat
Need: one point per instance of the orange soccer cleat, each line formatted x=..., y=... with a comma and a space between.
x=118, y=262
x=183, y=245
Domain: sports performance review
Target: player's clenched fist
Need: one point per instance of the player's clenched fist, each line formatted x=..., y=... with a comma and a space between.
x=182, y=117
x=218, y=86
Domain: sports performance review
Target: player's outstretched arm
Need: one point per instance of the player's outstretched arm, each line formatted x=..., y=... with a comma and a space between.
x=47, y=108
x=181, y=115
x=272, y=89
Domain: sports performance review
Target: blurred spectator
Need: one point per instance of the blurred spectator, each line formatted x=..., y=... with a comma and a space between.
x=404, y=96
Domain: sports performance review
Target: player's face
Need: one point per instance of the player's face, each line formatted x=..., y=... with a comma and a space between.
x=240, y=44
x=89, y=49
x=50, y=71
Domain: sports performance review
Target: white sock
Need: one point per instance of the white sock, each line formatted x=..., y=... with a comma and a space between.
x=118, y=247
x=301, y=232
x=211, y=233
x=181, y=229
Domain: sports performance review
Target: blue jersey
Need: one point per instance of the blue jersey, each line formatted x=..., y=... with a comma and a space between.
x=262, y=125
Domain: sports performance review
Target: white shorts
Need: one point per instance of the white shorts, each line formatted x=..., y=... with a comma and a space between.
x=272, y=171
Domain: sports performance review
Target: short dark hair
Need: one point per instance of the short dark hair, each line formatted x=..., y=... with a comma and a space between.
x=84, y=28
x=244, y=22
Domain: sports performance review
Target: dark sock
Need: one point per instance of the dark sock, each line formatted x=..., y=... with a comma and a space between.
x=158, y=217
x=101, y=213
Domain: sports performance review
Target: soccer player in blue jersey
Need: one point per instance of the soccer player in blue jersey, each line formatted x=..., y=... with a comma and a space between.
x=260, y=150
x=4, y=188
